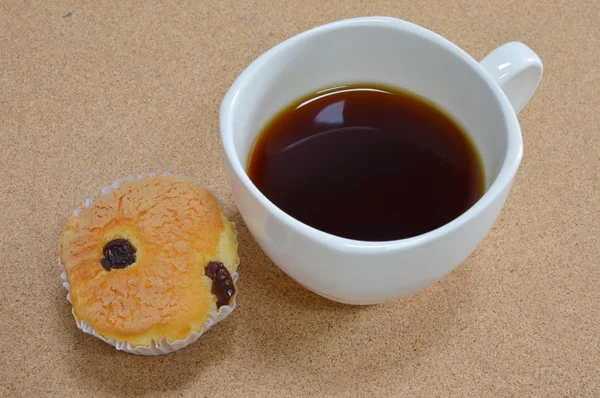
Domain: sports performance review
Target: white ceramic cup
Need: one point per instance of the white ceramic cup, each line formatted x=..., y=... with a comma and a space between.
x=483, y=97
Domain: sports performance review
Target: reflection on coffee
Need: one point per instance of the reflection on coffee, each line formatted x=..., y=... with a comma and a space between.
x=367, y=162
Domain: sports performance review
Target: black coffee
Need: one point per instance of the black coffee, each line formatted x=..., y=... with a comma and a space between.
x=367, y=162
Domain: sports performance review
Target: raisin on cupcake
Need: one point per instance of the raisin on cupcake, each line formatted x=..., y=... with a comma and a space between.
x=150, y=265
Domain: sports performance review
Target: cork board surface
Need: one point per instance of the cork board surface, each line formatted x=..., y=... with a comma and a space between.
x=94, y=91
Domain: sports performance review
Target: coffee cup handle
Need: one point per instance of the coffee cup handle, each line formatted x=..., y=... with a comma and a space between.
x=517, y=70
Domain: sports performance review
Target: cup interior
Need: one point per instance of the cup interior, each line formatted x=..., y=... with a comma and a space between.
x=400, y=55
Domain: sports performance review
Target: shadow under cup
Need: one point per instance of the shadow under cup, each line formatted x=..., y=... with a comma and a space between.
x=388, y=53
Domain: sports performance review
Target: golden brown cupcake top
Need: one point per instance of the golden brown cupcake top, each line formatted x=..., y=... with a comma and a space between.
x=136, y=257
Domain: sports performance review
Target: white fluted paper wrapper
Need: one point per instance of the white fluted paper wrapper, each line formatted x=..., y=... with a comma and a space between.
x=156, y=347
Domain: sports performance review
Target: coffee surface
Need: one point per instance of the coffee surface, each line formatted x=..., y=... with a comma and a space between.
x=367, y=162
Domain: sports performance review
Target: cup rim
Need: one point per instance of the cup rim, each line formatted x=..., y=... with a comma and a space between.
x=512, y=157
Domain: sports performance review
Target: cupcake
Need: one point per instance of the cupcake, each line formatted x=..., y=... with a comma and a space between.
x=150, y=265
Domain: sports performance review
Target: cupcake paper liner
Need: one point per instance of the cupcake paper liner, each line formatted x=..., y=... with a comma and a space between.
x=162, y=346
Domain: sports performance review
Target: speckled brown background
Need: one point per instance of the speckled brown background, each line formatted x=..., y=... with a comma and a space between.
x=93, y=91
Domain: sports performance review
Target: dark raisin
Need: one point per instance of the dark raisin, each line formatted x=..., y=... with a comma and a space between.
x=222, y=283
x=118, y=253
